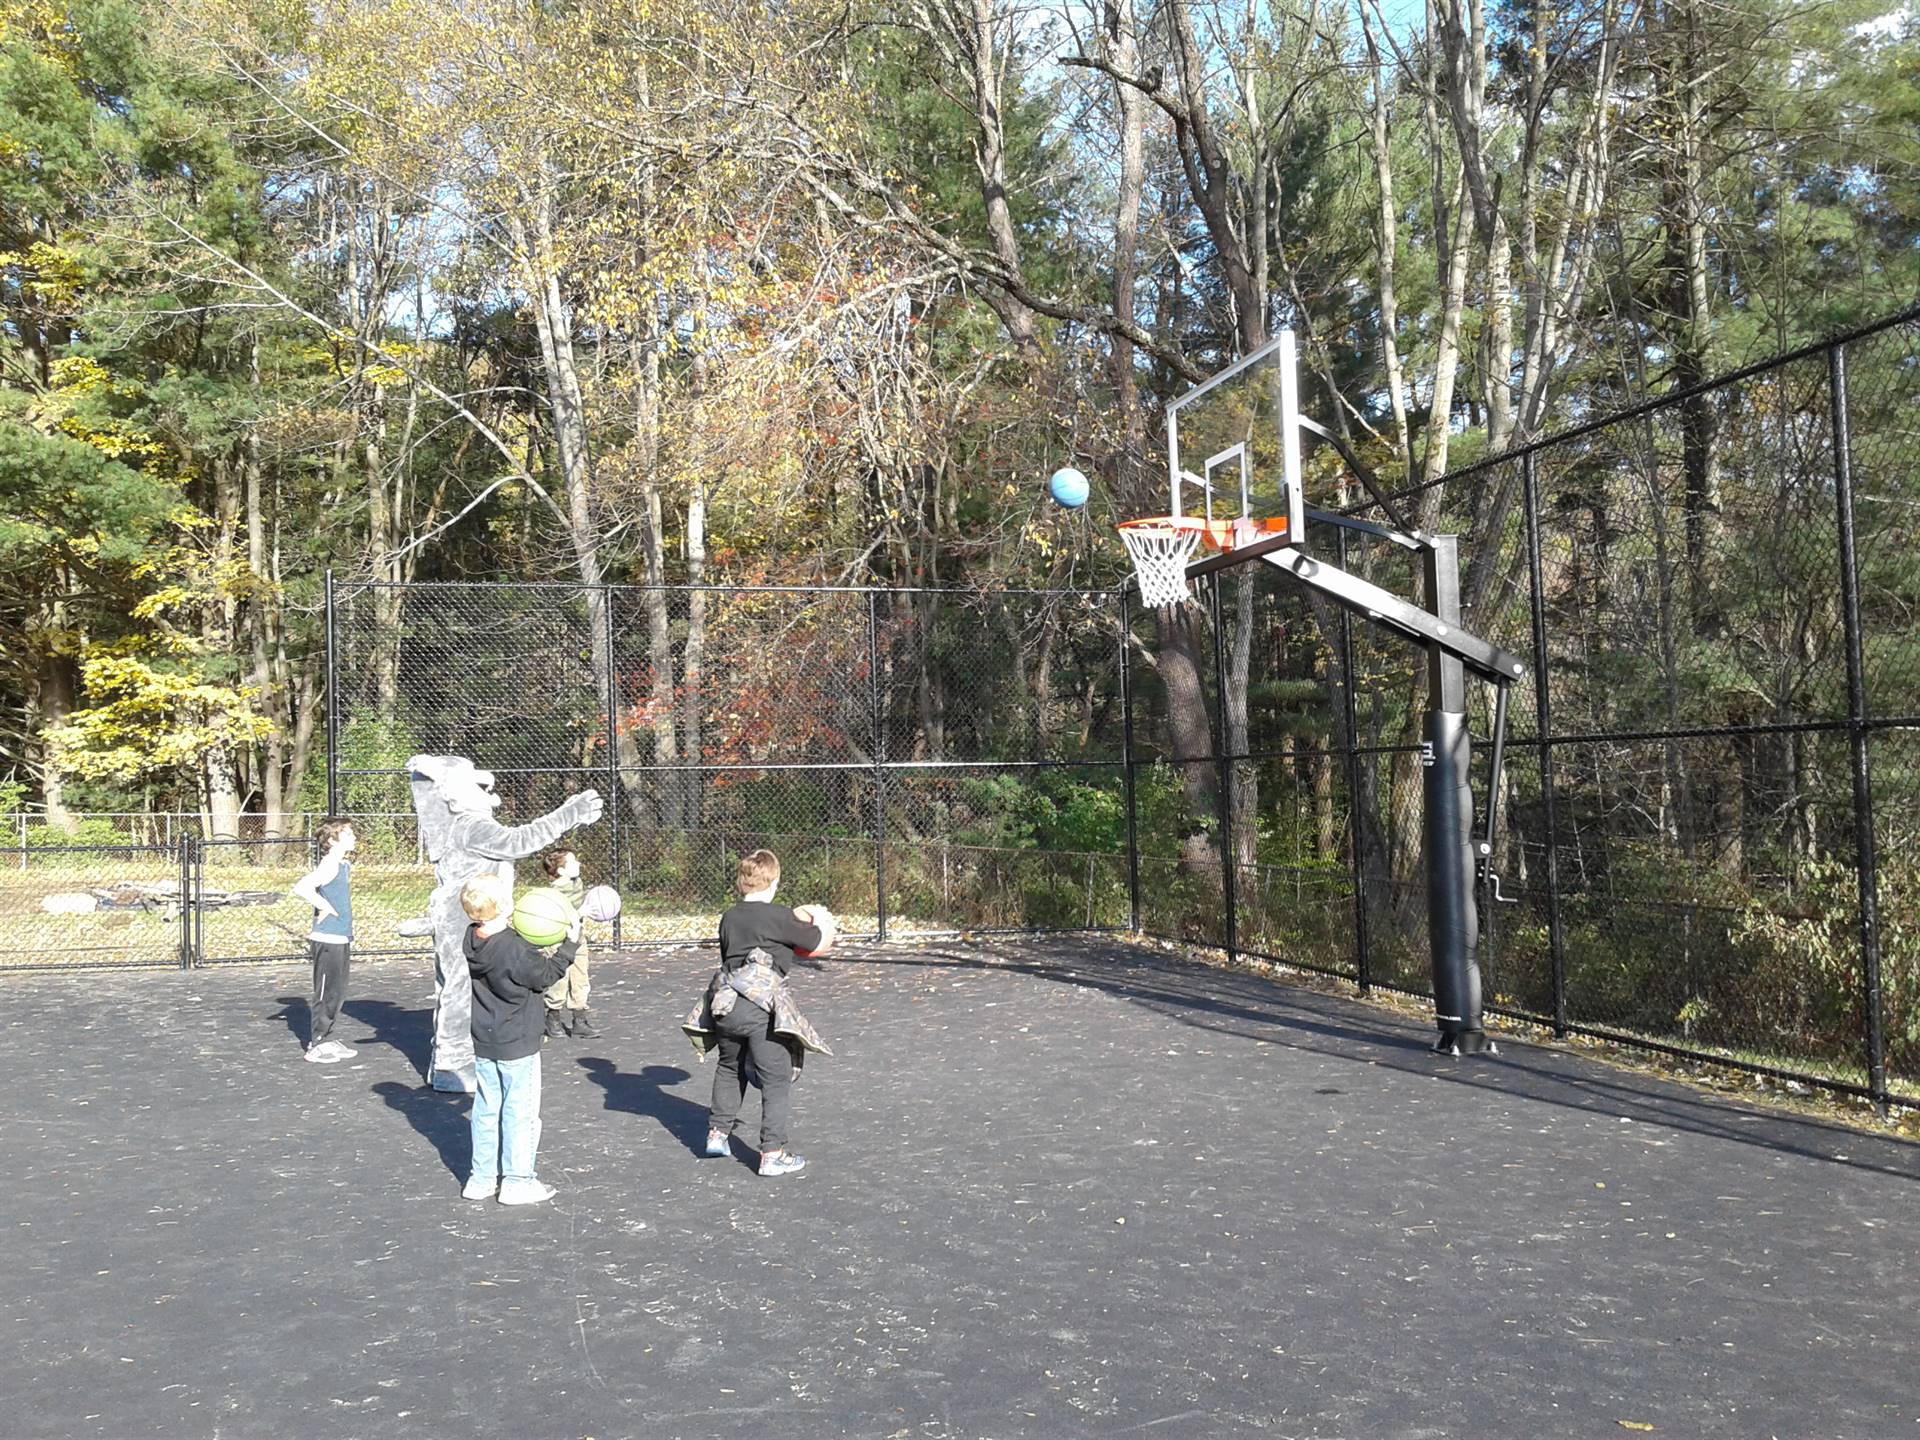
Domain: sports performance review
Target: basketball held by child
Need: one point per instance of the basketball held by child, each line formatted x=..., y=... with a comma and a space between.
x=821, y=919
x=1068, y=487
x=542, y=917
x=600, y=904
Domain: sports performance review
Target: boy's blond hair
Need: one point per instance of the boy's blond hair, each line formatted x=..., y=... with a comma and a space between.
x=758, y=870
x=484, y=898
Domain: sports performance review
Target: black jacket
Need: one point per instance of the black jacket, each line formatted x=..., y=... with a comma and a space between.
x=508, y=978
x=761, y=925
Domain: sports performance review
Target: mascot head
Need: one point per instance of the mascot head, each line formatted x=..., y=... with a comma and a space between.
x=445, y=787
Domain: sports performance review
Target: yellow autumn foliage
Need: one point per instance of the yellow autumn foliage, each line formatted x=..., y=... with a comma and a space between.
x=144, y=719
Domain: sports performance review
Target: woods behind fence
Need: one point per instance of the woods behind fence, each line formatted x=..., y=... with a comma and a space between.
x=1706, y=840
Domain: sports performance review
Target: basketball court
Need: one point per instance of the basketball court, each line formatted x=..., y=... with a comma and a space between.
x=1061, y=1187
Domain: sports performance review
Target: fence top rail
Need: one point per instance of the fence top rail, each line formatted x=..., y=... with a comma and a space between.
x=859, y=767
x=194, y=815
x=1655, y=404
x=109, y=847
x=1104, y=593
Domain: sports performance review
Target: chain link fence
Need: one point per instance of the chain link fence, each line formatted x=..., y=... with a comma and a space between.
x=1703, y=845
x=924, y=762
x=194, y=901
x=1706, y=839
x=1706, y=832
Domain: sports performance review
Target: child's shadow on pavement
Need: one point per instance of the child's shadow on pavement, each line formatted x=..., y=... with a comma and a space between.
x=438, y=1115
x=408, y=1030
x=297, y=1014
x=647, y=1094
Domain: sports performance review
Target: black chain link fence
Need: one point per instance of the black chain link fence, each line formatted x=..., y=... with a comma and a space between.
x=1707, y=810
x=922, y=761
x=193, y=901
x=1706, y=841
x=81, y=906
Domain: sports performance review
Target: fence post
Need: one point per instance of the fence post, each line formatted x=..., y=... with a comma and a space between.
x=879, y=764
x=1543, y=724
x=1126, y=762
x=188, y=905
x=613, y=754
x=1225, y=765
x=1865, y=854
x=1362, y=962
x=333, y=718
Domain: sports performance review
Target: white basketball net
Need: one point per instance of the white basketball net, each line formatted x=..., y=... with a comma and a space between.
x=1160, y=557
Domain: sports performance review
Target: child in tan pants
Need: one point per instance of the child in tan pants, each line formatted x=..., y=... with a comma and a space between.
x=567, y=1000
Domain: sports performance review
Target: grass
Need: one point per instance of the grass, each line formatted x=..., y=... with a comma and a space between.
x=385, y=893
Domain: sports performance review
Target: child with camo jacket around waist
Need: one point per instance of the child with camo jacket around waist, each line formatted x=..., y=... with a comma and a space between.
x=748, y=1014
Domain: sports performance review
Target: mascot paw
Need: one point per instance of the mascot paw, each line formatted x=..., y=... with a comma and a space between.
x=585, y=808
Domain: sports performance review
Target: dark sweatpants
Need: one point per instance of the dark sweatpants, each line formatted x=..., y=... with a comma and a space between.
x=330, y=964
x=746, y=1031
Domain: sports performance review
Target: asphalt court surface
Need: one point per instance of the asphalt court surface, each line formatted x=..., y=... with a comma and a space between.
x=1056, y=1188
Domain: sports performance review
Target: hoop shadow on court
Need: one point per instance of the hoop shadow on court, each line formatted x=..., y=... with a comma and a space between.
x=647, y=1092
x=1254, y=1007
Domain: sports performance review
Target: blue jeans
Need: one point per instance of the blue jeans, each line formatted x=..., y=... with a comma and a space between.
x=506, y=1118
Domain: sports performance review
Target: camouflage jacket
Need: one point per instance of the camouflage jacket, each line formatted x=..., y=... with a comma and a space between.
x=764, y=986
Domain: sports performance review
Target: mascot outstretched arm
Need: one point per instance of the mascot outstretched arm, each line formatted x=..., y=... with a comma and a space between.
x=455, y=803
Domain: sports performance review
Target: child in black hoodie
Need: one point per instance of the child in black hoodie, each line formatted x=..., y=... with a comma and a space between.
x=509, y=978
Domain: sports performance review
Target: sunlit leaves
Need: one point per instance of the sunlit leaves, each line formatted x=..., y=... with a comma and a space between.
x=146, y=718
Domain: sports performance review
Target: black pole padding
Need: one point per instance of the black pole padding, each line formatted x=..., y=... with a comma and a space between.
x=1453, y=923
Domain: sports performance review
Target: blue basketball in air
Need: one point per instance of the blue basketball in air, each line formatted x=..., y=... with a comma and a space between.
x=1068, y=487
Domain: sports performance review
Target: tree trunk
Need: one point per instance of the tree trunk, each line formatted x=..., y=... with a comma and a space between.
x=263, y=613
x=220, y=797
x=1191, y=734
x=1128, y=468
x=50, y=705
x=305, y=705
x=1386, y=243
x=664, y=794
x=989, y=47
x=693, y=666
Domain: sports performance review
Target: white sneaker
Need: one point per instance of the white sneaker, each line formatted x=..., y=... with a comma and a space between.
x=328, y=1053
x=525, y=1192
x=479, y=1188
x=343, y=1052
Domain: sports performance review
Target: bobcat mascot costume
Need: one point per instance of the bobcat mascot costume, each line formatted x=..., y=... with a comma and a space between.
x=455, y=803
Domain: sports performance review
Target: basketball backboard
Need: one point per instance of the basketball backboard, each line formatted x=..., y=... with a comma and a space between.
x=1233, y=444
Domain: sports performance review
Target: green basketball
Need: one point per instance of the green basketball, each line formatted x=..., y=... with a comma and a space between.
x=543, y=917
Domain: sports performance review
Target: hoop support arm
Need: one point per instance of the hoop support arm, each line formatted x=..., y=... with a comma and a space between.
x=1367, y=599
x=1406, y=540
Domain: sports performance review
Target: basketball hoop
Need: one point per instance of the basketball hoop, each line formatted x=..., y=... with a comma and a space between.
x=1162, y=546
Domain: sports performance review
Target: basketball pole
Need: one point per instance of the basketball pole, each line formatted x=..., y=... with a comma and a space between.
x=1454, y=864
x=1446, y=758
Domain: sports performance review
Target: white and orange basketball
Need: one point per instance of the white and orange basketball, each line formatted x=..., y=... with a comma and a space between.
x=823, y=919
